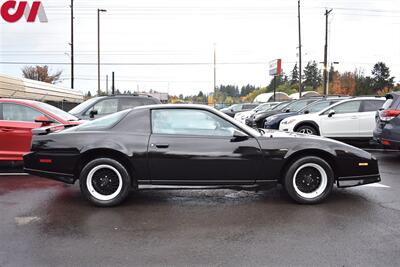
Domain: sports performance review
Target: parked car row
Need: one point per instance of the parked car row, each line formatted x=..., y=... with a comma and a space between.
x=244, y=115
x=333, y=116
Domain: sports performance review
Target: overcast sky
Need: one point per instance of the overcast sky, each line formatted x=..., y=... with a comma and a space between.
x=247, y=35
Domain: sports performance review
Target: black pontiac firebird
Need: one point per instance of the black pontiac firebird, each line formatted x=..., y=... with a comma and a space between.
x=192, y=145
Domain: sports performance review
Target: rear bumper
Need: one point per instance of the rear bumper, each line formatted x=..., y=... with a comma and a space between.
x=350, y=181
x=62, y=177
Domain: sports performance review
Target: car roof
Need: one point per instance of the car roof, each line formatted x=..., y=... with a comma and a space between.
x=172, y=106
x=17, y=100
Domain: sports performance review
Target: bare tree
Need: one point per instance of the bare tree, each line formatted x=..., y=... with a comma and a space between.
x=41, y=73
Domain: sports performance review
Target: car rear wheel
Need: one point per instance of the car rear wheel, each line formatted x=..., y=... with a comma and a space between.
x=309, y=180
x=307, y=129
x=105, y=182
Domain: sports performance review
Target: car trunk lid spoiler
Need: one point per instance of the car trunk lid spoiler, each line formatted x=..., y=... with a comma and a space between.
x=50, y=129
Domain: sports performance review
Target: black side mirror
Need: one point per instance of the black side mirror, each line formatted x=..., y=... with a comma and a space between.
x=239, y=136
x=331, y=113
x=306, y=112
x=93, y=113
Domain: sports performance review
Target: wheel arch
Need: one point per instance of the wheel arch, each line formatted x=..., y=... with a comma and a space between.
x=328, y=157
x=96, y=153
x=307, y=123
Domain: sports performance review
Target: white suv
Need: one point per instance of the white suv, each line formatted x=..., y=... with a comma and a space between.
x=350, y=118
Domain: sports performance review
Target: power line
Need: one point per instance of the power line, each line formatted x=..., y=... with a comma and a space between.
x=133, y=63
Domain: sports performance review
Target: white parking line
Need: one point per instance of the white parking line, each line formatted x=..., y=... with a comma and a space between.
x=377, y=185
x=13, y=174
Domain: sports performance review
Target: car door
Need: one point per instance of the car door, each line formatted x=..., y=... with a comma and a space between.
x=367, y=116
x=194, y=146
x=16, y=124
x=344, y=122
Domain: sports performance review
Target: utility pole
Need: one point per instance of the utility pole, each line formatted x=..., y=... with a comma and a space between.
x=72, y=44
x=215, y=74
x=113, y=84
x=107, y=84
x=326, y=81
x=300, y=68
x=98, y=49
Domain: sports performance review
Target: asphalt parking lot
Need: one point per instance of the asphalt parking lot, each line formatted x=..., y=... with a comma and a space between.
x=46, y=223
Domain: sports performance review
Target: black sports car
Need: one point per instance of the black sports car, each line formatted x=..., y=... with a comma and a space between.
x=159, y=145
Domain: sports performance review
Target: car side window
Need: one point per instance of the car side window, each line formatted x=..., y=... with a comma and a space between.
x=190, y=122
x=148, y=101
x=16, y=112
x=347, y=107
x=106, y=106
x=372, y=105
x=126, y=103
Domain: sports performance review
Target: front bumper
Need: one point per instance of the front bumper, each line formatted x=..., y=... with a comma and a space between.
x=351, y=181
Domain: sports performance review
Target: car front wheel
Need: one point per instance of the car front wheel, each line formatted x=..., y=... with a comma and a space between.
x=105, y=182
x=309, y=180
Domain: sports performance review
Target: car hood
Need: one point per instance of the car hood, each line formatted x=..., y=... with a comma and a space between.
x=266, y=114
x=297, y=141
x=285, y=115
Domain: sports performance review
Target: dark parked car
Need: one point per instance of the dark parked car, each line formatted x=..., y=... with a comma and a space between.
x=192, y=145
x=232, y=110
x=387, y=131
x=251, y=121
x=274, y=121
x=259, y=119
x=98, y=107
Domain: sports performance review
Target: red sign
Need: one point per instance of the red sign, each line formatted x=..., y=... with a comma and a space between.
x=12, y=11
x=275, y=67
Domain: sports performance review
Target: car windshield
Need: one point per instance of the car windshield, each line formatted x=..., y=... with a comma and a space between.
x=235, y=107
x=56, y=111
x=281, y=106
x=264, y=107
x=297, y=105
x=316, y=106
x=102, y=123
x=82, y=106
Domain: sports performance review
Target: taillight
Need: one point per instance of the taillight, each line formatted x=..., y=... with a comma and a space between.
x=389, y=114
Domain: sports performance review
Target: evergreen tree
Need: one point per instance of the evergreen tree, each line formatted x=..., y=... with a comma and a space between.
x=294, y=77
x=312, y=75
x=381, y=77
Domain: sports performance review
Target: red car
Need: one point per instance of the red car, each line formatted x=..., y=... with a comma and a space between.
x=17, y=119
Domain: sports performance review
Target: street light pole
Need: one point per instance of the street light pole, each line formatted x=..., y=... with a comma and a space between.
x=215, y=74
x=98, y=49
x=72, y=44
x=327, y=12
x=300, y=67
